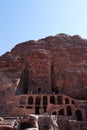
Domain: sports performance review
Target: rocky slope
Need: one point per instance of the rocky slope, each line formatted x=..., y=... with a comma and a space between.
x=68, y=55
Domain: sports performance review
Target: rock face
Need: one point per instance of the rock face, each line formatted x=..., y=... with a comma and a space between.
x=46, y=76
x=60, y=60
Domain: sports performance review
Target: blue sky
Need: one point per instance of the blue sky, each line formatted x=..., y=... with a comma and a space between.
x=22, y=20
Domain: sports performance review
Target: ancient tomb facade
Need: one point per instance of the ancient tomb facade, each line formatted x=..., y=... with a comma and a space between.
x=37, y=76
x=49, y=77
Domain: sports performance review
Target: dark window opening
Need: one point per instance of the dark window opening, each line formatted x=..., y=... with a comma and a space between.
x=59, y=100
x=69, y=111
x=37, y=110
x=23, y=100
x=38, y=100
x=52, y=99
x=44, y=101
x=55, y=90
x=73, y=102
x=78, y=115
x=66, y=101
x=61, y=112
x=39, y=90
x=30, y=100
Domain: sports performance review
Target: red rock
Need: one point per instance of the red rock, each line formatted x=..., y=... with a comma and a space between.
x=55, y=65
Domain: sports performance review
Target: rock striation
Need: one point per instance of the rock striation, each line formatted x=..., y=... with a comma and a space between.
x=67, y=54
x=47, y=76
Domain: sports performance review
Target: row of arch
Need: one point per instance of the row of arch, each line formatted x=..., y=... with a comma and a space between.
x=52, y=100
x=78, y=113
x=36, y=101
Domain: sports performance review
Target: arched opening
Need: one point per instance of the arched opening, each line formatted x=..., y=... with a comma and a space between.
x=38, y=101
x=54, y=113
x=45, y=101
x=61, y=112
x=78, y=115
x=66, y=101
x=37, y=108
x=52, y=99
x=59, y=100
x=73, y=102
x=22, y=100
x=30, y=100
x=69, y=111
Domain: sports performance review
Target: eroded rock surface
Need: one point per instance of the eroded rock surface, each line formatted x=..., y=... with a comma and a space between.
x=46, y=76
x=67, y=55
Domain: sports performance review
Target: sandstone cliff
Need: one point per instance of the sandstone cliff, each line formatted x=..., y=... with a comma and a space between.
x=68, y=56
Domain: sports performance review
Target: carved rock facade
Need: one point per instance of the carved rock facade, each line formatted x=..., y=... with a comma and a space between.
x=48, y=76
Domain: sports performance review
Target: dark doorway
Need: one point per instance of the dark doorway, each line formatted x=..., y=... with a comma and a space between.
x=69, y=111
x=66, y=101
x=37, y=110
x=30, y=100
x=38, y=100
x=52, y=99
x=78, y=115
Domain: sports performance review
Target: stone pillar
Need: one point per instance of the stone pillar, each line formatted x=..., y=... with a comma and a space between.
x=41, y=110
x=63, y=98
x=26, y=100
x=73, y=110
x=34, y=98
x=41, y=104
x=48, y=99
x=65, y=112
